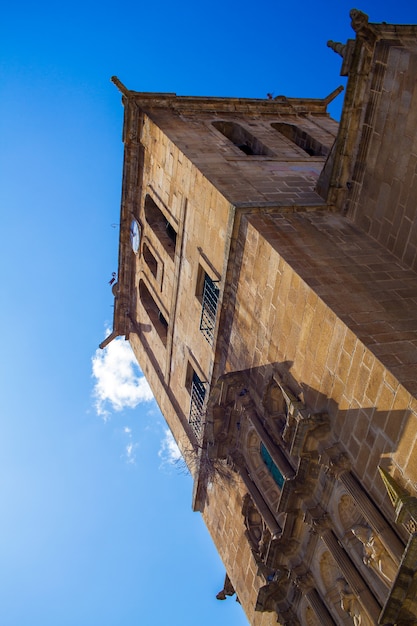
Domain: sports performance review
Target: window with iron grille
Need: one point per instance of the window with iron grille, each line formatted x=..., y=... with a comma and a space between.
x=198, y=393
x=209, y=308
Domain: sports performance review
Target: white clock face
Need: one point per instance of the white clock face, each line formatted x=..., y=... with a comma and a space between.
x=134, y=236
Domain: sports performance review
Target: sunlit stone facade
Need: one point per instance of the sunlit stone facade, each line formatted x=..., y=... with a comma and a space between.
x=267, y=284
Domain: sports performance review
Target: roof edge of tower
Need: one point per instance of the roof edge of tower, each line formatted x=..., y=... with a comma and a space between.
x=150, y=100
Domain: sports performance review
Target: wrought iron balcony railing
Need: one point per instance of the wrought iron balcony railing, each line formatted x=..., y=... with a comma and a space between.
x=198, y=393
x=209, y=308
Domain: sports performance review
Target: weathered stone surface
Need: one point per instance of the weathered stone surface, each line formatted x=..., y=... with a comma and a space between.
x=273, y=312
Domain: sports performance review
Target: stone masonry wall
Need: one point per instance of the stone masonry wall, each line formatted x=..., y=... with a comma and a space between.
x=281, y=324
x=384, y=184
x=224, y=519
x=280, y=320
x=287, y=178
x=200, y=215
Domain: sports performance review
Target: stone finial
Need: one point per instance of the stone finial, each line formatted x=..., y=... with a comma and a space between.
x=337, y=47
x=396, y=493
x=405, y=505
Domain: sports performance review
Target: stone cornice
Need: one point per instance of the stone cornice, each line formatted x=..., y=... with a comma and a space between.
x=213, y=104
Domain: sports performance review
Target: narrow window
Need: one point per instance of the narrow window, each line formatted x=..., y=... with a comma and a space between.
x=301, y=139
x=272, y=468
x=197, y=389
x=162, y=320
x=243, y=139
x=209, y=308
x=156, y=316
x=150, y=260
x=162, y=228
x=208, y=294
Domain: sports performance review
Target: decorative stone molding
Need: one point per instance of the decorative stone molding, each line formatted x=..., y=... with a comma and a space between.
x=288, y=617
x=318, y=519
x=304, y=581
x=228, y=589
x=258, y=535
x=350, y=604
x=276, y=453
x=348, y=513
x=374, y=554
x=362, y=27
x=369, y=605
x=337, y=464
x=271, y=594
x=265, y=512
x=337, y=47
x=300, y=424
x=319, y=608
x=335, y=460
x=374, y=518
x=401, y=604
x=404, y=504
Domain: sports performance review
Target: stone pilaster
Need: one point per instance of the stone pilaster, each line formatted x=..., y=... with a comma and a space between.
x=359, y=587
x=319, y=607
x=338, y=465
x=378, y=523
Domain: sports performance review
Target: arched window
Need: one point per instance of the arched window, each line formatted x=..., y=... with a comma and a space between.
x=243, y=139
x=150, y=260
x=302, y=139
x=160, y=225
x=155, y=314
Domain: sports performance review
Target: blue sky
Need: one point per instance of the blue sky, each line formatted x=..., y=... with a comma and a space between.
x=96, y=524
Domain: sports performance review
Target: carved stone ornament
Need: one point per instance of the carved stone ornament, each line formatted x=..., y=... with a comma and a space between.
x=257, y=533
x=350, y=604
x=228, y=589
x=300, y=426
x=405, y=505
x=270, y=595
x=304, y=581
x=318, y=519
x=374, y=554
x=133, y=134
x=360, y=24
x=335, y=461
x=337, y=47
x=359, y=19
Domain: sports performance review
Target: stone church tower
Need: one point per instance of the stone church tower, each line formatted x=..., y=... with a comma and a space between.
x=267, y=284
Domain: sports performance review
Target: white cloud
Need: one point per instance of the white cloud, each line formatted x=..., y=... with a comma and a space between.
x=131, y=446
x=169, y=452
x=119, y=383
x=131, y=452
